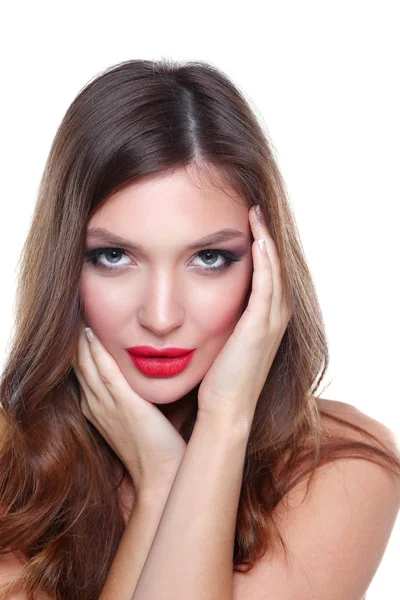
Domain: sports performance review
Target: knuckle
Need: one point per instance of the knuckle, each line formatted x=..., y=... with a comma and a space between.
x=106, y=379
x=80, y=361
x=84, y=368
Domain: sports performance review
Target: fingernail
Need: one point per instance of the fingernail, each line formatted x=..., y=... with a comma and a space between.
x=89, y=334
x=263, y=246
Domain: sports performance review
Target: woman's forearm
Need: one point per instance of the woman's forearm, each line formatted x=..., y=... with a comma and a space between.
x=192, y=553
x=134, y=546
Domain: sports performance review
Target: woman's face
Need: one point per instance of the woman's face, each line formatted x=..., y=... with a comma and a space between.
x=166, y=294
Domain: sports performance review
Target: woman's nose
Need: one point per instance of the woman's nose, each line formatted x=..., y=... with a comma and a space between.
x=162, y=309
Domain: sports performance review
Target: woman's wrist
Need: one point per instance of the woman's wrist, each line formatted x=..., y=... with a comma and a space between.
x=236, y=427
x=154, y=495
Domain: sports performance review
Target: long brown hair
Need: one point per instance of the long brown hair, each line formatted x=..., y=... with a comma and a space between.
x=58, y=476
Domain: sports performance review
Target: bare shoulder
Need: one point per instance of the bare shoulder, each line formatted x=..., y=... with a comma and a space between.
x=336, y=532
x=350, y=413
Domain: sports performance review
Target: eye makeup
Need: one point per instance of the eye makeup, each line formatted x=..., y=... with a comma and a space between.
x=93, y=256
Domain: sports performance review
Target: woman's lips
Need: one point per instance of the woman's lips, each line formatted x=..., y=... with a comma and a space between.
x=161, y=367
x=150, y=351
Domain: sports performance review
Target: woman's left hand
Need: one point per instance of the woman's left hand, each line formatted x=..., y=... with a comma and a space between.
x=231, y=387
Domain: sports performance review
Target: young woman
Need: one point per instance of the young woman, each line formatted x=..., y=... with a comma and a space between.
x=162, y=435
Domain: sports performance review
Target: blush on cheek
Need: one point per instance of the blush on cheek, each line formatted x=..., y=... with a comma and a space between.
x=223, y=313
x=100, y=311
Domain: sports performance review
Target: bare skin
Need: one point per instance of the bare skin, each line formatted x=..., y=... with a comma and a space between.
x=12, y=564
x=336, y=408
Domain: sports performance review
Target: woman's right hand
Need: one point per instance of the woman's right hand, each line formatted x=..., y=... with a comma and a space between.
x=138, y=432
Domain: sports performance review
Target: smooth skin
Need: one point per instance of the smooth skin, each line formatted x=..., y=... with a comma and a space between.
x=179, y=538
x=138, y=432
x=337, y=537
x=168, y=290
x=149, y=446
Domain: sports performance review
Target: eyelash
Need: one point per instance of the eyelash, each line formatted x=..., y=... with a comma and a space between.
x=92, y=256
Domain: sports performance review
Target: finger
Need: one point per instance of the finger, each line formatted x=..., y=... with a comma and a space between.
x=84, y=392
x=96, y=391
x=260, y=230
x=85, y=389
x=256, y=319
x=86, y=410
x=259, y=227
x=87, y=402
x=111, y=377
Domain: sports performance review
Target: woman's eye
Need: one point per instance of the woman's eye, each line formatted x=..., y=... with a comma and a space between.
x=93, y=256
x=217, y=260
x=109, y=258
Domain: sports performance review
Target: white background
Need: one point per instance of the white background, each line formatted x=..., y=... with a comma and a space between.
x=323, y=76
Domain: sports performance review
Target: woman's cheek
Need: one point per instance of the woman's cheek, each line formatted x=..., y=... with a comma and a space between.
x=107, y=308
x=222, y=310
x=101, y=308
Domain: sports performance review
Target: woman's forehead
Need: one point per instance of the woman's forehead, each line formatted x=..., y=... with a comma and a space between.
x=173, y=200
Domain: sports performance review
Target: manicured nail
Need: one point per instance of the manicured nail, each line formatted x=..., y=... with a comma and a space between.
x=263, y=246
x=89, y=334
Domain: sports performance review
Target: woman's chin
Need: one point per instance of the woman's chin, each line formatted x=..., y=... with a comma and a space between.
x=157, y=393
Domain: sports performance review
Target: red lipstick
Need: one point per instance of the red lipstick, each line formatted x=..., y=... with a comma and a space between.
x=160, y=362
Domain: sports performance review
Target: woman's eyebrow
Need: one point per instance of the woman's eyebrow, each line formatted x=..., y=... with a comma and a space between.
x=104, y=236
